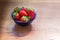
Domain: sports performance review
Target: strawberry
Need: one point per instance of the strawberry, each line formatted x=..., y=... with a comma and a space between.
x=25, y=18
x=16, y=9
x=29, y=9
x=31, y=14
x=17, y=16
x=21, y=19
x=23, y=9
x=14, y=14
x=23, y=13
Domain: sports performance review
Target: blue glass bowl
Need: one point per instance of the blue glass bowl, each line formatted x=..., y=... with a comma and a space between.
x=23, y=23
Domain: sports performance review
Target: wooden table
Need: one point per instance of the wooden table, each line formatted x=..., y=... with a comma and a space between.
x=46, y=26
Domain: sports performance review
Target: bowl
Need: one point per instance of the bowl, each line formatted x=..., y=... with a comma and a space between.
x=23, y=23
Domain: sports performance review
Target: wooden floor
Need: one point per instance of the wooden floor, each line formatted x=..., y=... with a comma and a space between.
x=46, y=26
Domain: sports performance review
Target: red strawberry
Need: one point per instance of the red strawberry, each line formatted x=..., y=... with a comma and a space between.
x=21, y=19
x=31, y=14
x=23, y=13
x=17, y=16
x=25, y=18
x=23, y=9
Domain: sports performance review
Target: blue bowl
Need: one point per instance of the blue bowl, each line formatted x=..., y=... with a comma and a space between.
x=23, y=23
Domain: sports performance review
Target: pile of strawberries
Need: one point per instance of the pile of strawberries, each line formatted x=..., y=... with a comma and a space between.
x=23, y=14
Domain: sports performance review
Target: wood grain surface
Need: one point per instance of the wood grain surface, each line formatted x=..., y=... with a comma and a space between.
x=46, y=26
